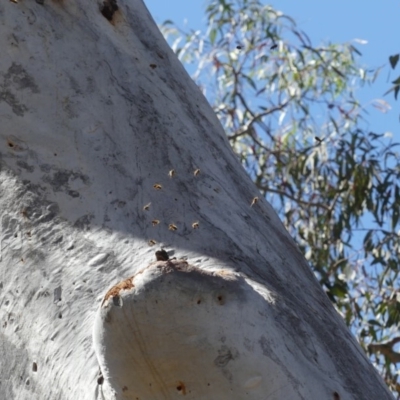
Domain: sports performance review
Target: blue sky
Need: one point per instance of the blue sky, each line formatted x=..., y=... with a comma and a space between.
x=334, y=21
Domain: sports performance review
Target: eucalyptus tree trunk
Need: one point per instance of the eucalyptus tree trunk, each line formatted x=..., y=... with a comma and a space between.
x=110, y=153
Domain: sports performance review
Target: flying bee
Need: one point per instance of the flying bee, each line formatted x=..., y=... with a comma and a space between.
x=254, y=201
x=195, y=225
x=171, y=173
x=196, y=172
x=172, y=227
x=157, y=186
x=146, y=207
x=274, y=46
x=155, y=222
x=151, y=242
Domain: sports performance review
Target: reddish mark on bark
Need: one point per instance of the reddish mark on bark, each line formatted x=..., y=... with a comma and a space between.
x=181, y=388
x=114, y=291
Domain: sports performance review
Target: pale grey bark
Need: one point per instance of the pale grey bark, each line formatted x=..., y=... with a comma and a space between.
x=94, y=116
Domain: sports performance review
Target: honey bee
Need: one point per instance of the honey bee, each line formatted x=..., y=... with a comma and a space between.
x=195, y=225
x=254, y=201
x=171, y=173
x=157, y=186
x=172, y=227
x=151, y=242
x=146, y=207
x=155, y=222
x=196, y=172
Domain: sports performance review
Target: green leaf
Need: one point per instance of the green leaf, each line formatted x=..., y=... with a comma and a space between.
x=213, y=35
x=394, y=60
x=396, y=91
x=396, y=81
x=374, y=322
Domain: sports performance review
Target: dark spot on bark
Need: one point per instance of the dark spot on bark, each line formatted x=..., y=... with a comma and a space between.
x=265, y=346
x=84, y=222
x=125, y=388
x=25, y=166
x=181, y=388
x=117, y=301
x=18, y=77
x=162, y=255
x=108, y=8
x=225, y=355
x=61, y=179
x=73, y=193
x=57, y=294
x=34, y=367
x=153, y=66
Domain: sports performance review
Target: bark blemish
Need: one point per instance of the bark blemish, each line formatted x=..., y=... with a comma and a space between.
x=114, y=291
x=181, y=388
x=225, y=355
x=108, y=9
x=15, y=144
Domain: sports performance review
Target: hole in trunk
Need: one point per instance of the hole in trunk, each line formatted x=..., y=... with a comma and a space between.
x=108, y=9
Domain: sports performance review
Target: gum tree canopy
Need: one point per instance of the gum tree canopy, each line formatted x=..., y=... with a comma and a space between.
x=109, y=152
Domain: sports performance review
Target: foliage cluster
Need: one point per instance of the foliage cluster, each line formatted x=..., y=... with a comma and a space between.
x=290, y=111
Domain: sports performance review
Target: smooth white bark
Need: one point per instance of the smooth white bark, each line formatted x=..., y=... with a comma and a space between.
x=94, y=116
